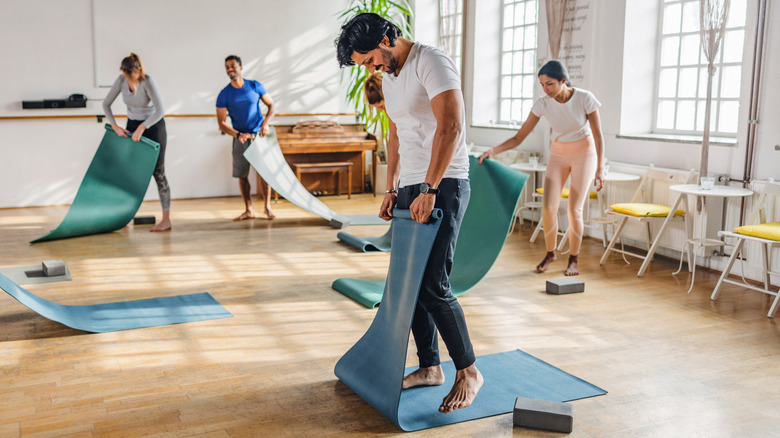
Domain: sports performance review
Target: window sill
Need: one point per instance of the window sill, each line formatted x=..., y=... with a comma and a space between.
x=503, y=126
x=682, y=139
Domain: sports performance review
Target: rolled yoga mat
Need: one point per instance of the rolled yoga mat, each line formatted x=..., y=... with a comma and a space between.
x=112, y=189
x=265, y=155
x=495, y=192
x=368, y=244
x=374, y=367
x=124, y=315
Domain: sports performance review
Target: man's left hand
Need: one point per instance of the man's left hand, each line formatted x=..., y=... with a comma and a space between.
x=422, y=207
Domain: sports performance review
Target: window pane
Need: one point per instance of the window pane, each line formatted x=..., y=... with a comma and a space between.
x=737, y=11
x=686, y=113
x=506, y=63
x=528, y=85
x=728, y=117
x=509, y=15
x=667, y=85
x=690, y=17
x=519, y=14
x=672, y=18
x=517, y=86
x=517, y=109
x=505, y=110
x=666, y=114
x=518, y=44
x=701, y=109
x=528, y=62
x=517, y=62
x=688, y=82
x=507, y=43
x=689, y=49
x=530, y=12
x=703, y=78
x=732, y=45
x=530, y=37
x=506, y=86
x=669, y=50
x=731, y=77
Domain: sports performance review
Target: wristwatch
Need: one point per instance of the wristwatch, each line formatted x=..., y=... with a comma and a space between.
x=425, y=188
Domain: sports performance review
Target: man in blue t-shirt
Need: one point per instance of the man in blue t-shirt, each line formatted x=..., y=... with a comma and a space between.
x=241, y=101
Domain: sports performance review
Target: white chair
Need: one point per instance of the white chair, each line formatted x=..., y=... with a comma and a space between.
x=769, y=192
x=653, y=190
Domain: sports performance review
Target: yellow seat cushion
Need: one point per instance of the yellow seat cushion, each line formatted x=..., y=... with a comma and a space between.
x=644, y=210
x=770, y=231
x=565, y=193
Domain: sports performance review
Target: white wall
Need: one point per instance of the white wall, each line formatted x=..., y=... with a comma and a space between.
x=48, y=52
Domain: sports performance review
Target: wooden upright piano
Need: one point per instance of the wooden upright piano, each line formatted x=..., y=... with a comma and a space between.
x=319, y=142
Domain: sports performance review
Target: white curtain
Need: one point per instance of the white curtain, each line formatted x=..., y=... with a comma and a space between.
x=714, y=14
x=556, y=9
x=448, y=26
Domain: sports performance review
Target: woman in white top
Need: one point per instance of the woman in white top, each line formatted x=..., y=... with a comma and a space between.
x=576, y=150
x=145, y=113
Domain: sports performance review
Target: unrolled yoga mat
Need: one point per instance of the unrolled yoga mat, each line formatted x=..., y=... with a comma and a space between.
x=32, y=274
x=365, y=219
x=495, y=191
x=368, y=244
x=112, y=189
x=125, y=315
x=266, y=157
x=374, y=366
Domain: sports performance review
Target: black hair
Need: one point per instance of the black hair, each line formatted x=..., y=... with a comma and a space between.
x=232, y=57
x=362, y=34
x=556, y=70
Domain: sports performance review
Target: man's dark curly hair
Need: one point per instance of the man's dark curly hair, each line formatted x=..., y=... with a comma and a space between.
x=362, y=34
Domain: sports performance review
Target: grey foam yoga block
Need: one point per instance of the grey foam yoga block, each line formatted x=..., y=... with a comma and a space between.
x=565, y=286
x=543, y=414
x=53, y=268
x=143, y=220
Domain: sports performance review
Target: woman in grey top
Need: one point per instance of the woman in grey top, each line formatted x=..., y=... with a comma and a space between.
x=145, y=113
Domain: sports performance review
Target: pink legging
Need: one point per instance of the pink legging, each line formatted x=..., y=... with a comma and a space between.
x=579, y=159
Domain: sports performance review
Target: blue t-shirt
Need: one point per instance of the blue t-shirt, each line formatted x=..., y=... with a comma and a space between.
x=243, y=105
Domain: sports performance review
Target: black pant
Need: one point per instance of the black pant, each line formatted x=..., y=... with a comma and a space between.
x=158, y=133
x=436, y=306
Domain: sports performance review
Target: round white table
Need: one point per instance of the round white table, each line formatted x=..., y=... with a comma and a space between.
x=724, y=192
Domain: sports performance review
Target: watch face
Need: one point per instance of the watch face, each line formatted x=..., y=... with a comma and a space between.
x=424, y=188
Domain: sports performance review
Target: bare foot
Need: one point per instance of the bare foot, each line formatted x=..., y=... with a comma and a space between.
x=572, y=268
x=164, y=225
x=549, y=258
x=269, y=214
x=248, y=214
x=428, y=376
x=468, y=381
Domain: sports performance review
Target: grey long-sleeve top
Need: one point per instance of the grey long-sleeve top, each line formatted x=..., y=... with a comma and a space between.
x=145, y=104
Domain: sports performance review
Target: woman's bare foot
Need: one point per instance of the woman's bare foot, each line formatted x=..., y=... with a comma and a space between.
x=468, y=381
x=549, y=258
x=164, y=225
x=248, y=214
x=428, y=376
x=269, y=214
x=572, y=268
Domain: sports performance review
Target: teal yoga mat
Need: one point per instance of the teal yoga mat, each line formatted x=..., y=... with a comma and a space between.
x=495, y=191
x=112, y=189
x=368, y=244
x=124, y=315
x=374, y=367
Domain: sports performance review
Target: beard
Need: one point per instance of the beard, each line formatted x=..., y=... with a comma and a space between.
x=390, y=63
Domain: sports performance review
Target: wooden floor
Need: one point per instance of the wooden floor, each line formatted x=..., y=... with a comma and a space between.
x=675, y=365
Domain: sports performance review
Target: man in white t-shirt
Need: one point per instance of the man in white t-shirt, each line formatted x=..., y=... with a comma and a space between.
x=427, y=167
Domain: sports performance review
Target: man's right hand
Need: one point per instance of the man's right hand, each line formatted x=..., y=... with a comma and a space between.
x=386, y=210
x=243, y=137
x=119, y=131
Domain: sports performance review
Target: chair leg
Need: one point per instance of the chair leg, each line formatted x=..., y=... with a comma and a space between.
x=613, y=240
x=727, y=269
x=658, y=237
x=537, y=230
x=765, y=254
x=564, y=239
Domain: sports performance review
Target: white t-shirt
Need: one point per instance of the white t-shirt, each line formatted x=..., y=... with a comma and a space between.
x=426, y=73
x=569, y=121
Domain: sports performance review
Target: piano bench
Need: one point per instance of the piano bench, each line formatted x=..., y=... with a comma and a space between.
x=333, y=167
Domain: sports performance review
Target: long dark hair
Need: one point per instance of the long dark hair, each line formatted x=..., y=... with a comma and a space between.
x=373, y=88
x=556, y=70
x=132, y=64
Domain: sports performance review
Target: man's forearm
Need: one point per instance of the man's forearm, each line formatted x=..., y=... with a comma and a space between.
x=444, y=142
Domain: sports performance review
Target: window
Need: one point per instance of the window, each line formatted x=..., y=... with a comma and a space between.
x=681, y=89
x=451, y=29
x=518, y=59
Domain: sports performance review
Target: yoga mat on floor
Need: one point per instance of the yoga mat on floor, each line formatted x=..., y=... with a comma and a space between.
x=368, y=244
x=495, y=192
x=32, y=274
x=265, y=155
x=375, y=366
x=124, y=315
x=112, y=189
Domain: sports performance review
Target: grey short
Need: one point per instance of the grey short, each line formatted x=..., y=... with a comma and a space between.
x=240, y=164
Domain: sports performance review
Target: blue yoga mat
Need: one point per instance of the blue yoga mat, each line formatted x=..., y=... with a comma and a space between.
x=495, y=192
x=368, y=244
x=111, y=190
x=375, y=366
x=125, y=315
